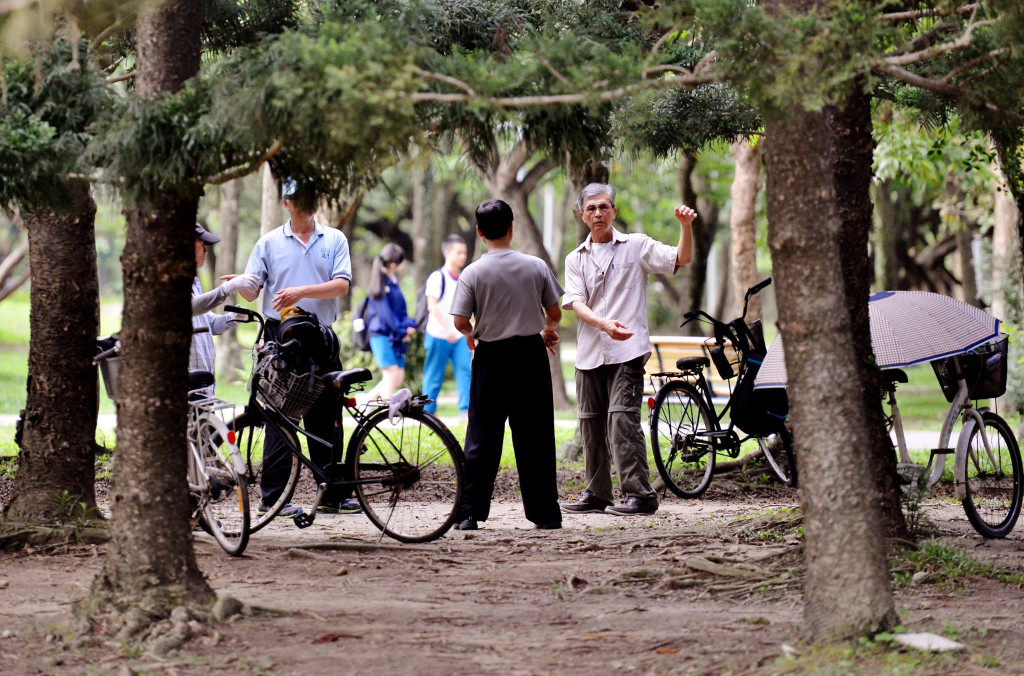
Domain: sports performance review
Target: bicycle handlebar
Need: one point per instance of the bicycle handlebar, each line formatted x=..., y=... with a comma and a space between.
x=757, y=288
x=250, y=316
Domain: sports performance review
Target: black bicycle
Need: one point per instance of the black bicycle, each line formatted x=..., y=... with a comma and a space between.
x=686, y=430
x=403, y=463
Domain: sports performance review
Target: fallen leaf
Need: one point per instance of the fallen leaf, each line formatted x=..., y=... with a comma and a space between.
x=667, y=651
x=334, y=636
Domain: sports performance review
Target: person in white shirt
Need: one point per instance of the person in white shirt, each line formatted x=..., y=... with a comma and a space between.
x=606, y=286
x=443, y=342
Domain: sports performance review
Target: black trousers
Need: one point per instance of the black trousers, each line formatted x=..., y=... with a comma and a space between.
x=511, y=381
x=319, y=420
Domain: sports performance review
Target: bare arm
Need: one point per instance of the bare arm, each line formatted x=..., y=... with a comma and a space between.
x=684, y=250
x=613, y=327
x=553, y=316
x=293, y=294
x=465, y=327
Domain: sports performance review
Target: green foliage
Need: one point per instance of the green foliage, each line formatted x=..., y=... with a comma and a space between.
x=952, y=567
x=48, y=106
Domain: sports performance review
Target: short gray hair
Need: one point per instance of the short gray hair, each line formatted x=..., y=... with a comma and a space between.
x=592, y=190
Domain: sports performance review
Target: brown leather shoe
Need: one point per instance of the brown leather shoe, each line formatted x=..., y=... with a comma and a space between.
x=634, y=505
x=587, y=502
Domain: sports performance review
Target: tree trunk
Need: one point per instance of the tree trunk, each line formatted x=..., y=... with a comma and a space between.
x=693, y=277
x=746, y=183
x=150, y=563
x=1004, y=248
x=421, y=216
x=847, y=590
x=888, y=238
x=271, y=210
x=229, y=350
x=852, y=174
x=58, y=433
x=11, y=261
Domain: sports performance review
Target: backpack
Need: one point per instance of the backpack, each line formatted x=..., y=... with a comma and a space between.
x=422, y=311
x=360, y=327
x=316, y=346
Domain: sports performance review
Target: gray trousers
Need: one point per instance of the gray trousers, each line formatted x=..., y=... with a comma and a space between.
x=608, y=399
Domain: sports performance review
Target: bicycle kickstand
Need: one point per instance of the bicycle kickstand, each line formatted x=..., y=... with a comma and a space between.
x=303, y=520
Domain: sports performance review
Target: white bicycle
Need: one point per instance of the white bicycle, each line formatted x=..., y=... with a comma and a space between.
x=218, y=492
x=986, y=458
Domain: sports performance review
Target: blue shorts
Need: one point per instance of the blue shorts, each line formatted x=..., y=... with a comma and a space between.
x=384, y=352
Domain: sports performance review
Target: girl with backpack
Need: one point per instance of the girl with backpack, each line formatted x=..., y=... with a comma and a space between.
x=387, y=321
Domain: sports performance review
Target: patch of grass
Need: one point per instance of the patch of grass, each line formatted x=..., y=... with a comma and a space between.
x=878, y=656
x=950, y=567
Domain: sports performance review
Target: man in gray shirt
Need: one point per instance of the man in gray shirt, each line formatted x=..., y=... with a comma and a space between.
x=514, y=298
x=606, y=286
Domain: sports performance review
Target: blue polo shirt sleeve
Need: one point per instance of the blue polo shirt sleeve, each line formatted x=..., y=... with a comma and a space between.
x=342, y=259
x=257, y=264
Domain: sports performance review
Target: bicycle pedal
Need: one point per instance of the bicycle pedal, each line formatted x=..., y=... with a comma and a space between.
x=303, y=520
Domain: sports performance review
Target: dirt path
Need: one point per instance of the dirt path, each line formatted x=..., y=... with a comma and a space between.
x=595, y=597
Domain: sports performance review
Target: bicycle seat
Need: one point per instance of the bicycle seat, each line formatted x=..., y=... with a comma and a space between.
x=892, y=376
x=692, y=363
x=344, y=379
x=197, y=380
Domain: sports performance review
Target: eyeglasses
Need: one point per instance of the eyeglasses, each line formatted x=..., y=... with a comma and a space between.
x=603, y=207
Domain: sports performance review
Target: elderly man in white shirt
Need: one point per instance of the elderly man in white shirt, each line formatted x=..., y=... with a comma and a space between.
x=606, y=286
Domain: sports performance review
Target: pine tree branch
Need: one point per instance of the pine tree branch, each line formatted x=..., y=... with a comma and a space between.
x=121, y=78
x=915, y=14
x=551, y=69
x=689, y=81
x=964, y=67
x=440, y=77
x=672, y=32
x=965, y=40
x=947, y=89
x=253, y=164
x=535, y=174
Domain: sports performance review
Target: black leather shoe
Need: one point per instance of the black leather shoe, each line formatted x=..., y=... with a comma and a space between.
x=587, y=502
x=549, y=525
x=467, y=524
x=634, y=505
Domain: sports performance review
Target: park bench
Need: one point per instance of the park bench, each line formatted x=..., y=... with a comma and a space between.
x=665, y=350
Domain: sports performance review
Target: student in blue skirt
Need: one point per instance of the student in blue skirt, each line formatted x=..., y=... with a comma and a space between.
x=387, y=321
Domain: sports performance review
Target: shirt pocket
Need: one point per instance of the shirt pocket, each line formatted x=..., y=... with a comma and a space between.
x=624, y=276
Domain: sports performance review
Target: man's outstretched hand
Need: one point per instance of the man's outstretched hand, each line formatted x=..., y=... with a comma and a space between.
x=685, y=214
x=616, y=329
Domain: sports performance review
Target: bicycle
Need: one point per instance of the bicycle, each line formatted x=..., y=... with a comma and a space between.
x=986, y=458
x=216, y=472
x=403, y=463
x=686, y=430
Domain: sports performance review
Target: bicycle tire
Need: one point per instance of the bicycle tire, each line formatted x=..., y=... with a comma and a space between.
x=416, y=483
x=249, y=436
x=680, y=406
x=778, y=451
x=992, y=498
x=223, y=500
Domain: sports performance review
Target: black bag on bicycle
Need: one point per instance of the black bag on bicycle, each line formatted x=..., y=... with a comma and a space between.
x=757, y=412
x=317, y=346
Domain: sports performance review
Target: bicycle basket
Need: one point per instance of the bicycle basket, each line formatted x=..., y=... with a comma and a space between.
x=291, y=393
x=983, y=368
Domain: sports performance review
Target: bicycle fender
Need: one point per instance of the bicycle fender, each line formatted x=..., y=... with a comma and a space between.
x=222, y=431
x=960, y=460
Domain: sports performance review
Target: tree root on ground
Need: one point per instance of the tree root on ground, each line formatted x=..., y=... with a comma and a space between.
x=58, y=538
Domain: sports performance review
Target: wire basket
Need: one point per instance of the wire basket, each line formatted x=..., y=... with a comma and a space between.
x=983, y=368
x=109, y=368
x=291, y=393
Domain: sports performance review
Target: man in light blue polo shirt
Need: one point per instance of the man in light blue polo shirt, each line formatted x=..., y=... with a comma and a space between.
x=304, y=264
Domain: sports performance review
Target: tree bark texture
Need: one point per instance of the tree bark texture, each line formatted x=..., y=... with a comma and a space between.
x=271, y=211
x=847, y=590
x=422, y=183
x=692, y=277
x=229, y=350
x=1004, y=248
x=150, y=562
x=58, y=433
x=852, y=173
x=888, y=240
x=746, y=183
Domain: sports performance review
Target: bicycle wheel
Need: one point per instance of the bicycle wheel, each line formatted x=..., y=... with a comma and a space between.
x=680, y=412
x=991, y=478
x=778, y=451
x=221, y=491
x=408, y=474
x=250, y=434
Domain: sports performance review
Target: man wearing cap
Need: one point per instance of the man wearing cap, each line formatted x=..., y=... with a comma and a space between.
x=202, y=356
x=303, y=264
